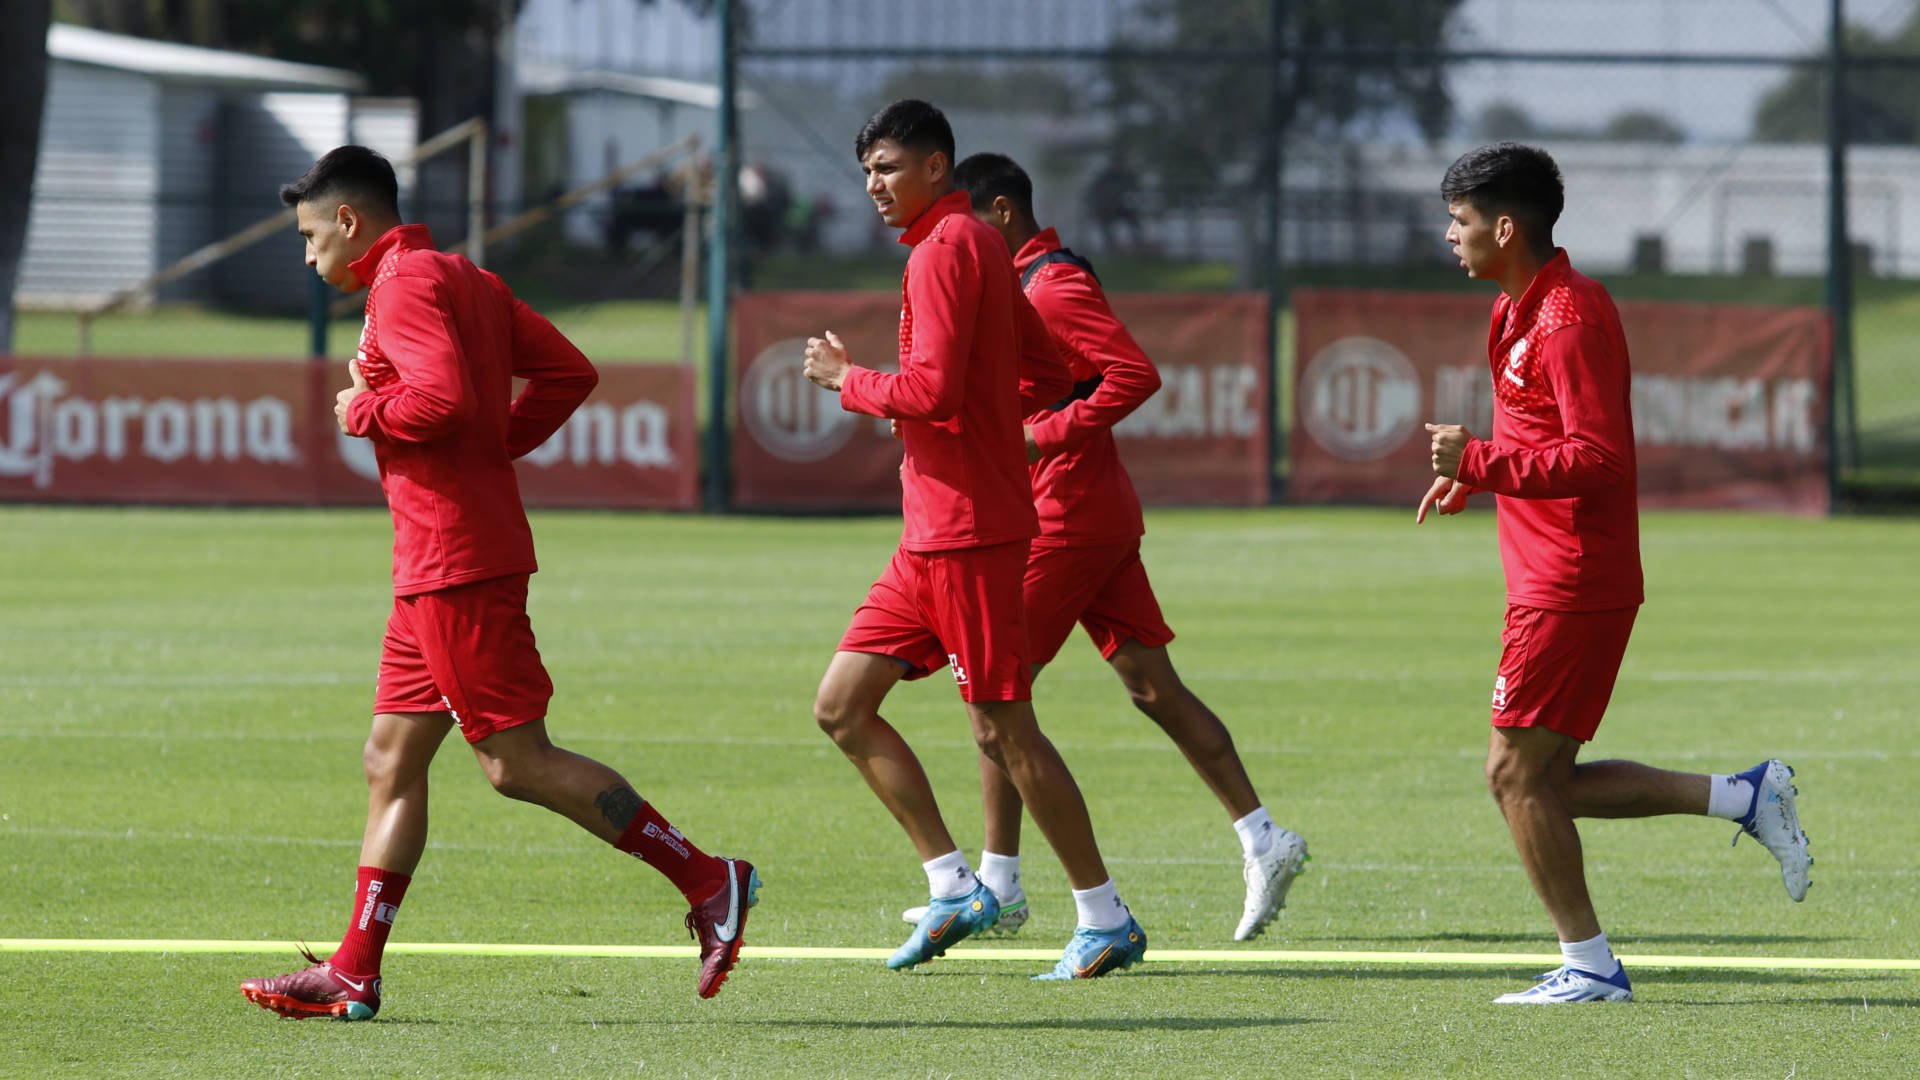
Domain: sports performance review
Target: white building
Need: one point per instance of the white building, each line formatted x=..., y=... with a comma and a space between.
x=150, y=150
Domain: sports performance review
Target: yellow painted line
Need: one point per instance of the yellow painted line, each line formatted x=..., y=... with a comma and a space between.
x=805, y=952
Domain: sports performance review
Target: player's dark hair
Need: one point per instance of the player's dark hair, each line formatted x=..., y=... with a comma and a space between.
x=986, y=177
x=350, y=172
x=914, y=124
x=1509, y=178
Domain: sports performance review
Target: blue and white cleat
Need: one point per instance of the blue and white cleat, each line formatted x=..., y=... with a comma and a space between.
x=946, y=921
x=1013, y=915
x=1093, y=953
x=1773, y=820
x=1571, y=986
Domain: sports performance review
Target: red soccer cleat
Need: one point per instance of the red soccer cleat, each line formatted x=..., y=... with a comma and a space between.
x=719, y=923
x=317, y=991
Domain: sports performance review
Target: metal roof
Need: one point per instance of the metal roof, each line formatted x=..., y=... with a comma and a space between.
x=543, y=77
x=193, y=64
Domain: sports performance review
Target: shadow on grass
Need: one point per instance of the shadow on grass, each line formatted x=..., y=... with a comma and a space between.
x=1478, y=937
x=1099, y=1023
x=1482, y=973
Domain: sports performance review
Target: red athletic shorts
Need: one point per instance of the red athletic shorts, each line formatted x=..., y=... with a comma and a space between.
x=1103, y=587
x=467, y=650
x=961, y=607
x=1557, y=668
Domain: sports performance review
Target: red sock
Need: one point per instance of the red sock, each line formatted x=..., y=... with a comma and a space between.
x=374, y=905
x=694, y=872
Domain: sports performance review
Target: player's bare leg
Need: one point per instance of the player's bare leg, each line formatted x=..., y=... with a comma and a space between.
x=1106, y=937
x=1628, y=789
x=523, y=763
x=847, y=708
x=1155, y=687
x=1522, y=767
x=1760, y=799
x=1008, y=732
x=346, y=986
x=400, y=748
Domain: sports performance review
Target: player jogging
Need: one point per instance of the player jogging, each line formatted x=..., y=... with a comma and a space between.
x=974, y=359
x=1561, y=463
x=1085, y=566
x=433, y=390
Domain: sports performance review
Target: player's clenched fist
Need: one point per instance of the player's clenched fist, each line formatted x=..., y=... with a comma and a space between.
x=1449, y=442
x=827, y=361
x=345, y=397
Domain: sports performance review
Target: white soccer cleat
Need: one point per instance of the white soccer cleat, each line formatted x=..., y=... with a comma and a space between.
x=1773, y=820
x=1269, y=876
x=1571, y=986
x=1013, y=915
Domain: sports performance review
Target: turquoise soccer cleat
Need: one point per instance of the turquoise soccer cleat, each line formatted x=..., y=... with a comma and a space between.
x=1093, y=953
x=947, y=920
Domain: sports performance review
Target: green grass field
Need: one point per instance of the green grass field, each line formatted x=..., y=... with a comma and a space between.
x=183, y=695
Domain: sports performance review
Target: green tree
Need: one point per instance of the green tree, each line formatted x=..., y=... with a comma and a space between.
x=1202, y=125
x=1504, y=120
x=1641, y=125
x=1026, y=88
x=1882, y=103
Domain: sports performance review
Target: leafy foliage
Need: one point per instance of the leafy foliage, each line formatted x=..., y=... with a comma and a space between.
x=1202, y=124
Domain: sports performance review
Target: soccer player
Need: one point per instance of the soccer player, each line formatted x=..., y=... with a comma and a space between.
x=974, y=359
x=1085, y=566
x=433, y=390
x=1561, y=465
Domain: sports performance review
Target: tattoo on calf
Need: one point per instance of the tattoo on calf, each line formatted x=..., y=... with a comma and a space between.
x=619, y=804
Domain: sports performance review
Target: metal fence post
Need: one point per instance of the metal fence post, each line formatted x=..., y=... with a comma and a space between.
x=719, y=265
x=1839, y=261
x=1276, y=290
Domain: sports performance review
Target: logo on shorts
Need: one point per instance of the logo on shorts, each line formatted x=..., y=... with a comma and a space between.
x=1500, y=692
x=959, y=673
x=457, y=722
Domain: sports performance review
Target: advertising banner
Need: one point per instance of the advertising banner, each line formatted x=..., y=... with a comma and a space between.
x=1729, y=401
x=1201, y=440
x=245, y=432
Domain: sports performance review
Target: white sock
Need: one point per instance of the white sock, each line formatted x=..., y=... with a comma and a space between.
x=949, y=876
x=1593, y=954
x=1001, y=873
x=1099, y=908
x=1728, y=796
x=1256, y=832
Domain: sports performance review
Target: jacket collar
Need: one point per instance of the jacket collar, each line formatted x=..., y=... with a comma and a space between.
x=398, y=238
x=1552, y=274
x=1044, y=241
x=955, y=202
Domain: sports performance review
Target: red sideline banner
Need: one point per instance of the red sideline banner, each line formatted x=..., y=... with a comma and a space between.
x=243, y=432
x=1201, y=440
x=1729, y=401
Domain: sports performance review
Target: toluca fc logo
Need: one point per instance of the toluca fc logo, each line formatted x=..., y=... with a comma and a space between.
x=1360, y=398
x=789, y=417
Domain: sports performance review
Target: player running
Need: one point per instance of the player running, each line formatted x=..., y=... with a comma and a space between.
x=433, y=390
x=974, y=359
x=1085, y=565
x=1561, y=463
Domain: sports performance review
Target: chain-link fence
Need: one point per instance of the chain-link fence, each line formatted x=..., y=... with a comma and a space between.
x=1176, y=142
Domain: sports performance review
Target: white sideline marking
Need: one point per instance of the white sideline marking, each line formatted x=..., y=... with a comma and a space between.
x=803, y=952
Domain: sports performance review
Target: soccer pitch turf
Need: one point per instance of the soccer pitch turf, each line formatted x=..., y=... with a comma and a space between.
x=183, y=695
